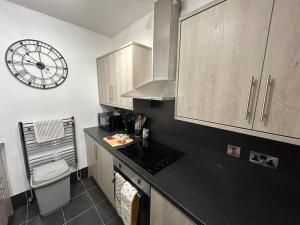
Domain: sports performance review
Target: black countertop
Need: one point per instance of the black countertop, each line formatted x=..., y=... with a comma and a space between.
x=211, y=193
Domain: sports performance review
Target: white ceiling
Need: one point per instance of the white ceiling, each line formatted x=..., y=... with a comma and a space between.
x=107, y=17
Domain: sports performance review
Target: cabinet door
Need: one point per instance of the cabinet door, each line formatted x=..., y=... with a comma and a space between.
x=141, y=61
x=162, y=212
x=107, y=174
x=221, y=54
x=278, y=108
x=6, y=209
x=103, y=79
x=113, y=61
x=91, y=155
x=98, y=165
x=125, y=76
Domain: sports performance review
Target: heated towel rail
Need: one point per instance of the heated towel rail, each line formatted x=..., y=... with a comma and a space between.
x=36, y=154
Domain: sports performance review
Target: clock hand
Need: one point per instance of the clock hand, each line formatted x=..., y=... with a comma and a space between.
x=28, y=54
x=30, y=61
x=40, y=56
x=50, y=66
x=54, y=67
x=31, y=57
x=29, y=64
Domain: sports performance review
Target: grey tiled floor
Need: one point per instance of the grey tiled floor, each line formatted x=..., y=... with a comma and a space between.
x=88, y=206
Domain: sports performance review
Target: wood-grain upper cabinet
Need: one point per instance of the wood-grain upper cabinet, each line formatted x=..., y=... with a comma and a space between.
x=162, y=212
x=103, y=80
x=220, y=62
x=141, y=59
x=122, y=70
x=278, y=108
x=100, y=166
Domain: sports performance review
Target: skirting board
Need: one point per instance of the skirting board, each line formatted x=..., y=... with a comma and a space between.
x=20, y=199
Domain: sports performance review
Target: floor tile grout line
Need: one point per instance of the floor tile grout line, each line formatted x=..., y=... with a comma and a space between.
x=62, y=211
x=79, y=214
x=28, y=220
x=92, y=188
x=77, y=195
x=93, y=203
x=25, y=222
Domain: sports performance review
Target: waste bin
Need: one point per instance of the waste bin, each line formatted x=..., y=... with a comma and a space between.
x=51, y=183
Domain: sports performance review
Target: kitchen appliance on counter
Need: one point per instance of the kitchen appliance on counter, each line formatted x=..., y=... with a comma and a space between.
x=128, y=122
x=110, y=121
x=151, y=155
x=141, y=186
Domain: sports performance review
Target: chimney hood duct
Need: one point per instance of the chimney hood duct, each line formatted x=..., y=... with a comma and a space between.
x=162, y=87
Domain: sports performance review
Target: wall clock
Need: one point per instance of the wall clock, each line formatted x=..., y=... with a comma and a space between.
x=36, y=64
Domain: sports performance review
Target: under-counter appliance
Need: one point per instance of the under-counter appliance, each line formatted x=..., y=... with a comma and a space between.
x=151, y=155
x=110, y=121
x=142, y=187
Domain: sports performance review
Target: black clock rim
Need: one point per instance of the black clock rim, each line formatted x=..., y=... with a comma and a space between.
x=40, y=88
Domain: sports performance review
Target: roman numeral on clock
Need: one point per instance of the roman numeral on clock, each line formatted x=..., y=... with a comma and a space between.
x=21, y=73
x=31, y=79
x=38, y=47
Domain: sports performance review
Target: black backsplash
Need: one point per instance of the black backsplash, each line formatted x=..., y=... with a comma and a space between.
x=212, y=142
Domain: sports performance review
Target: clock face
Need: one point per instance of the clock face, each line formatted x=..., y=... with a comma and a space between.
x=36, y=64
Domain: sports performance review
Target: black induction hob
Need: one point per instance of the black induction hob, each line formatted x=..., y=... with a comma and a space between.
x=151, y=155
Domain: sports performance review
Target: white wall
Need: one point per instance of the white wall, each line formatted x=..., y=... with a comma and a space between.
x=190, y=5
x=77, y=96
x=142, y=30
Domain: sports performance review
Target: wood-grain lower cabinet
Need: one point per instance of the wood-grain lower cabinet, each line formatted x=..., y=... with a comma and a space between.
x=162, y=212
x=122, y=70
x=107, y=174
x=100, y=166
x=91, y=155
x=6, y=209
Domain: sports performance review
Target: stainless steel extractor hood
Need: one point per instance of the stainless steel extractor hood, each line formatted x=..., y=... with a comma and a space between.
x=162, y=87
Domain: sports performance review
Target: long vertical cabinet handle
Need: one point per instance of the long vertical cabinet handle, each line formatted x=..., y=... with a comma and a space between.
x=95, y=152
x=111, y=93
x=263, y=111
x=114, y=185
x=252, y=84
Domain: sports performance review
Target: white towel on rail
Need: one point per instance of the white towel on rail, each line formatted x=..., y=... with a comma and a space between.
x=48, y=130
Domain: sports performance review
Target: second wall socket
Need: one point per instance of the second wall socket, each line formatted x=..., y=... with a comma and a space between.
x=264, y=160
